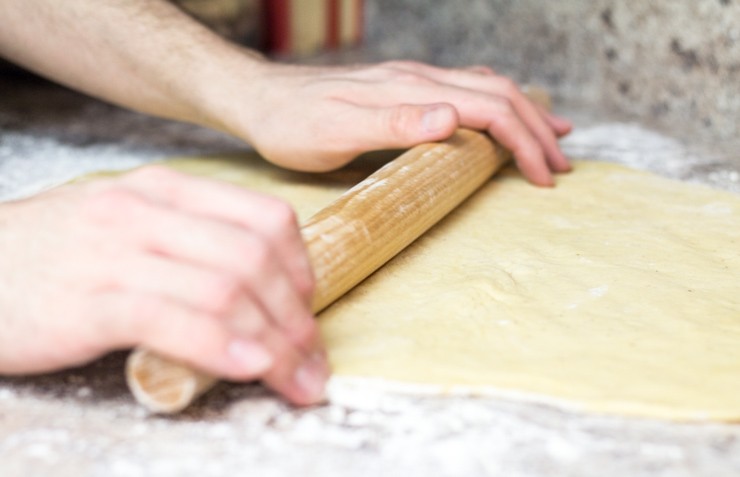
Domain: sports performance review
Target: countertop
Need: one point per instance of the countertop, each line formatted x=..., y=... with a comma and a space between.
x=84, y=422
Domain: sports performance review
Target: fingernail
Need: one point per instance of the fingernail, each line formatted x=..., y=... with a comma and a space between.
x=311, y=377
x=253, y=358
x=562, y=122
x=435, y=119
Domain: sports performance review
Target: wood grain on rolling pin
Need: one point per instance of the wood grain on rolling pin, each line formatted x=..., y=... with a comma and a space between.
x=351, y=238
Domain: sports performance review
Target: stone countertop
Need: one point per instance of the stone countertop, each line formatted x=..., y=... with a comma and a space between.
x=84, y=422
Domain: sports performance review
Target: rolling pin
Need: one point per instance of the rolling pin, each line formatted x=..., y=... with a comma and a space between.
x=350, y=239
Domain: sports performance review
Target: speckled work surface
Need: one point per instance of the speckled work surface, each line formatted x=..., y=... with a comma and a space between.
x=675, y=62
x=84, y=422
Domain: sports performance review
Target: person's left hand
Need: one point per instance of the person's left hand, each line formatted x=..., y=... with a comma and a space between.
x=197, y=270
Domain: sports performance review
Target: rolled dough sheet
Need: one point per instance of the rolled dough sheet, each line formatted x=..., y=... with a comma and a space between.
x=617, y=291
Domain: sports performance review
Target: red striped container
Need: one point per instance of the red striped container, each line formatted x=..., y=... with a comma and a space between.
x=303, y=27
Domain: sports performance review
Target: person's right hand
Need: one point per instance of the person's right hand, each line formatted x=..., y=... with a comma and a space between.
x=203, y=272
x=336, y=113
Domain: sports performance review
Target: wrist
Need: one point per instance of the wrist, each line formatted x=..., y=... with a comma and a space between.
x=225, y=91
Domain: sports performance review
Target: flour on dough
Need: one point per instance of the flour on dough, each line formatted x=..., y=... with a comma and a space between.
x=617, y=291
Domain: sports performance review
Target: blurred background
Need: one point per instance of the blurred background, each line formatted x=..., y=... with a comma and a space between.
x=675, y=64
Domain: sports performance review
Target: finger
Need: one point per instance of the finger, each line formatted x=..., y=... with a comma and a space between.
x=216, y=293
x=237, y=259
x=201, y=341
x=298, y=376
x=501, y=120
x=206, y=289
x=254, y=263
x=511, y=132
x=247, y=318
x=181, y=333
x=244, y=256
x=497, y=116
x=265, y=215
x=532, y=117
x=394, y=127
x=537, y=124
x=560, y=125
x=483, y=111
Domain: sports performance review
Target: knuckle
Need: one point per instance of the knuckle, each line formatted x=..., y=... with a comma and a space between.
x=401, y=121
x=252, y=323
x=506, y=107
x=112, y=204
x=503, y=114
x=406, y=72
x=145, y=309
x=257, y=257
x=241, y=253
x=282, y=217
x=306, y=287
x=305, y=333
x=509, y=87
x=528, y=151
x=222, y=295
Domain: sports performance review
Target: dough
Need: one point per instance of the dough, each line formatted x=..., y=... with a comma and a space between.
x=617, y=291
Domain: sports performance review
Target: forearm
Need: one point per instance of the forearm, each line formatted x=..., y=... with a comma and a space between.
x=149, y=56
x=146, y=55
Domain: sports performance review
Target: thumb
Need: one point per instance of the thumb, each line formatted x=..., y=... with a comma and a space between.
x=406, y=125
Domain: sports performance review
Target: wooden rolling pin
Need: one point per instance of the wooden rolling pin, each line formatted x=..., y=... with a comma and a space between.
x=351, y=238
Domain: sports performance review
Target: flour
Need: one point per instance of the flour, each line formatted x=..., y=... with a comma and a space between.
x=244, y=429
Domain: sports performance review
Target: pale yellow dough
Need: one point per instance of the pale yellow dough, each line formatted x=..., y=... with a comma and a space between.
x=617, y=291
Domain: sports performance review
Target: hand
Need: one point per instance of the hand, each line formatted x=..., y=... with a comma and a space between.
x=320, y=118
x=203, y=272
x=307, y=118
